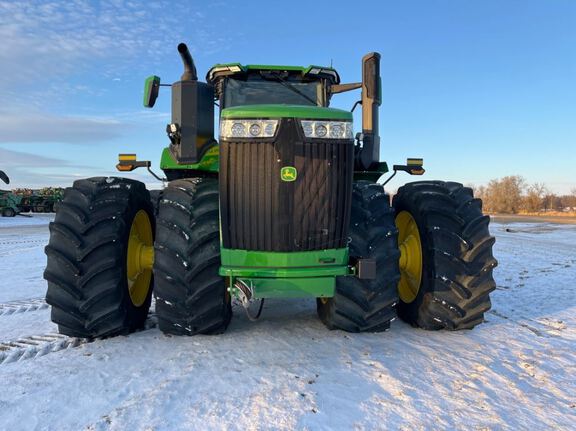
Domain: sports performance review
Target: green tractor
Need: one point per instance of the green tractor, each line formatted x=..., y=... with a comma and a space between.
x=286, y=204
x=8, y=200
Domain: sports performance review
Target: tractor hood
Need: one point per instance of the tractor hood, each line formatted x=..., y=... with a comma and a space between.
x=286, y=111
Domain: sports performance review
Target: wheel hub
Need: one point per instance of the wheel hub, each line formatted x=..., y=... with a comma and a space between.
x=140, y=258
x=410, y=257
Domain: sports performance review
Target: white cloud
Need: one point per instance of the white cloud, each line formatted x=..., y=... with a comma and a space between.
x=38, y=127
x=10, y=158
x=43, y=41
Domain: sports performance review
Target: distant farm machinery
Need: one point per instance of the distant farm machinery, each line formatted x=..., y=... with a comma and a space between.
x=39, y=201
x=14, y=202
x=9, y=203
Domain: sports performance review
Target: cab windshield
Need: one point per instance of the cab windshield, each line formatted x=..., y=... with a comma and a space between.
x=273, y=89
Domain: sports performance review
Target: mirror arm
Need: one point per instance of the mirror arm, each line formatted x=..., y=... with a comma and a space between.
x=391, y=176
x=156, y=176
x=412, y=167
x=342, y=88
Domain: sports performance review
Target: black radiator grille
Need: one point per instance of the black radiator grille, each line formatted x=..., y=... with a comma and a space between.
x=261, y=212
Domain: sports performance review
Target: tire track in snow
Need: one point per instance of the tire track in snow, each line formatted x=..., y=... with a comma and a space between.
x=9, y=248
x=22, y=306
x=27, y=241
x=36, y=346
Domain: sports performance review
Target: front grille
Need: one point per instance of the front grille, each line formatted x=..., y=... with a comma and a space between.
x=259, y=211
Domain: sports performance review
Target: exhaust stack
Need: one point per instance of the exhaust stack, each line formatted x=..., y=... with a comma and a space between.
x=189, y=68
x=191, y=130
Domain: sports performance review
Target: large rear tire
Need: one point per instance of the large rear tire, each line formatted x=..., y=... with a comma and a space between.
x=442, y=226
x=367, y=305
x=191, y=297
x=91, y=287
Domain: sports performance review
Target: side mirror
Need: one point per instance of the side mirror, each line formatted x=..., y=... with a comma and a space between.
x=128, y=162
x=4, y=177
x=151, y=89
x=412, y=166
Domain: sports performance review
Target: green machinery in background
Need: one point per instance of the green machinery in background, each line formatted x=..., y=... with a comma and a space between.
x=8, y=200
x=39, y=201
x=283, y=201
x=18, y=201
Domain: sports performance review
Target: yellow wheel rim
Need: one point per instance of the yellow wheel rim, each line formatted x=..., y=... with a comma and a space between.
x=410, y=257
x=140, y=258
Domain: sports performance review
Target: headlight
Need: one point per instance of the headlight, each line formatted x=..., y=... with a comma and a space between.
x=327, y=129
x=248, y=128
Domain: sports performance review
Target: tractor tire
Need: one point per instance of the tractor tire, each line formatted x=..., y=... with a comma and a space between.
x=456, y=256
x=362, y=305
x=191, y=297
x=91, y=239
x=8, y=212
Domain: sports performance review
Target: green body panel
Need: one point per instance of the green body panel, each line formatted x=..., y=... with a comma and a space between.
x=331, y=271
x=373, y=175
x=317, y=287
x=273, y=259
x=286, y=111
x=286, y=275
x=208, y=162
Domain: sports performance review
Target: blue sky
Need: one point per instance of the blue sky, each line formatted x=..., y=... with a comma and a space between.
x=479, y=89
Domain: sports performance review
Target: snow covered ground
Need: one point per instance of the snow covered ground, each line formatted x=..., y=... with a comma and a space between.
x=286, y=371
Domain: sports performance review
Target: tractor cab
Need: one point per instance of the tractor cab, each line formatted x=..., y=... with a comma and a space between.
x=259, y=102
x=237, y=85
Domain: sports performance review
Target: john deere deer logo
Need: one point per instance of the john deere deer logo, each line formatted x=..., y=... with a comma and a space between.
x=288, y=173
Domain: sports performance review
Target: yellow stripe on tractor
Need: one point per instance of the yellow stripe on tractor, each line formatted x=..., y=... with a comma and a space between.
x=415, y=162
x=126, y=157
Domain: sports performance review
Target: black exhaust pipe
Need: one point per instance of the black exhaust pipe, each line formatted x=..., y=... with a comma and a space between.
x=189, y=68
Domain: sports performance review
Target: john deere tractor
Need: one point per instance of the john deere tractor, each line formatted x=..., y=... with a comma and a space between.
x=283, y=202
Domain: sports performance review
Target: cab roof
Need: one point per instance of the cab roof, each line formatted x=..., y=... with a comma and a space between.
x=230, y=69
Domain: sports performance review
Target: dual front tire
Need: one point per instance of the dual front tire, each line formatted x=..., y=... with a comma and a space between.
x=102, y=244
x=433, y=251
x=97, y=282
